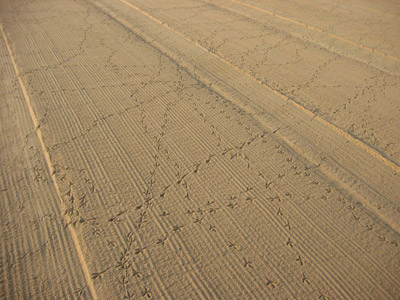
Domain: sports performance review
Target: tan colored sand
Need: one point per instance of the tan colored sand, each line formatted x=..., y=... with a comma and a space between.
x=208, y=149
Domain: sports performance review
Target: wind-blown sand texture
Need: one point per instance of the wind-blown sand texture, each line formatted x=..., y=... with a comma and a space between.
x=199, y=149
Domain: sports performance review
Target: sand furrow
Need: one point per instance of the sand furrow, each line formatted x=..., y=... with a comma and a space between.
x=231, y=56
x=106, y=135
x=197, y=134
x=315, y=209
x=97, y=116
x=161, y=158
x=32, y=245
x=341, y=154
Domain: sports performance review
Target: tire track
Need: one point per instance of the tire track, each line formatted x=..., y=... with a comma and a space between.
x=50, y=169
x=97, y=116
x=145, y=148
x=291, y=144
x=240, y=181
x=296, y=147
x=293, y=192
x=346, y=135
x=193, y=135
x=120, y=148
x=33, y=224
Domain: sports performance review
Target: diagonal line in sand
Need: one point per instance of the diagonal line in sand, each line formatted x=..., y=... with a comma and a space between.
x=46, y=154
x=391, y=57
x=326, y=123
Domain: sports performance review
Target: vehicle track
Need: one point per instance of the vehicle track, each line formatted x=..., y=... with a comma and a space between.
x=179, y=172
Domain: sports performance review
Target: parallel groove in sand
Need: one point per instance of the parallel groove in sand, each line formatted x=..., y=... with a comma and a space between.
x=367, y=161
x=294, y=191
x=50, y=169
x=125, y=160
x=295, y=146
x=198, y=131
x=98, y=116
x=346, y=135
x=132, y=132
x=96, y=159
x=49, y=237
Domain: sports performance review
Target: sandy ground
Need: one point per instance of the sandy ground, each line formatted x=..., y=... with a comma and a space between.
x=199, y=149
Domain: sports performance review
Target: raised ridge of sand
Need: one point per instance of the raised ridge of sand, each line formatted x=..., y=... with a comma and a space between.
x=208, y=149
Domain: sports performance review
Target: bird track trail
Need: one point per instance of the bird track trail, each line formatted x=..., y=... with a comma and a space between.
x=46, y=155
x=177, y=171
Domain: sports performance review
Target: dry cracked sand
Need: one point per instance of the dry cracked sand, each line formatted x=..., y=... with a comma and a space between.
x=200, y=149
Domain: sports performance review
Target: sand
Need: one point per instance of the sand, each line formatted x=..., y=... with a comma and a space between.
x=199, y=149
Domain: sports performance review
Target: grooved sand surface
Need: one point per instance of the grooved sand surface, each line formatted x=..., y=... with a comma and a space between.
x=199, y=149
